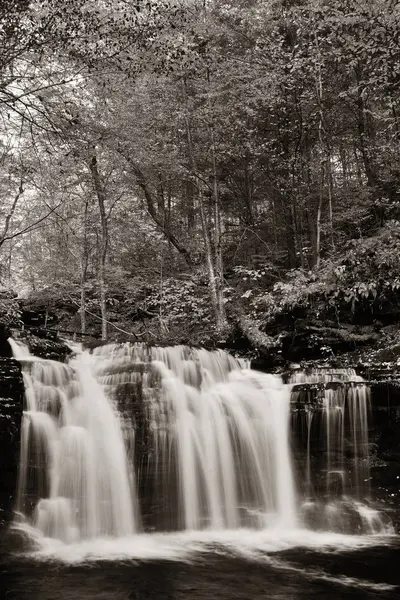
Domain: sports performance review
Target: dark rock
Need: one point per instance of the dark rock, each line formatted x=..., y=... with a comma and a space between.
x=5, y=348
x=309, y=341
x=15, y=539
x=11, y=406
x=44, y=344
x=341, y=516
x=51, y=349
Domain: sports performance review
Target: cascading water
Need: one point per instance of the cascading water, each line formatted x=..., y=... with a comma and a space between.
x=73, y=477
x=217, y=452
x=213, y=435
x=166, y=439
x=336, y=403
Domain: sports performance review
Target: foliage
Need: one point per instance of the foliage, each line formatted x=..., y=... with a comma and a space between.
x=361, y=282
x=10, y=312
x=256, y=142
x=183, y=310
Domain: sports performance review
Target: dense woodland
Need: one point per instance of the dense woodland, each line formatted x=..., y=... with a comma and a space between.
x=172, y=170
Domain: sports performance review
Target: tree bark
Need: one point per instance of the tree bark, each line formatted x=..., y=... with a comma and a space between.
x=84, y=267
x=363, y=135
x=209, y=261
x=159, y=219
x=9, y=216
x=101, y=199
x=219, y=267
x=215, y=295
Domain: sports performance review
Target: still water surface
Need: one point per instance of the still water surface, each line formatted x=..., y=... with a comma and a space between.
x=241, y=565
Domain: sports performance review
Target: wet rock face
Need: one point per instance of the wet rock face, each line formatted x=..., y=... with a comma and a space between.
x=11, y=406
x=47, y=347
x=44, y=344
x=5, y=348
x=385, y=435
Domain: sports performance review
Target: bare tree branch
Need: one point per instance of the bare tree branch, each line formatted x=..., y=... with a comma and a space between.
x=11, y=212
x=29, y=227
x=151, y=207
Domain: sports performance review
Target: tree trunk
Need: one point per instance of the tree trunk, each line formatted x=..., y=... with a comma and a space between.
x=325, y=157
x=318, y=232
x=330, y=204
x=9, y=216
x=219, y=267
x=189, y=203
x=290, y=231
x=286, y=204
x=158, y=216
x=101, y=198
x=209, y=262
x=84, y=267
x=363, y=135
x=312, y=229
x=103, y=298
x=215, y=296
x=248, y=195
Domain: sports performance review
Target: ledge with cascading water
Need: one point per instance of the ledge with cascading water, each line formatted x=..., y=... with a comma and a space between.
x=331, y=410
x=129, y=438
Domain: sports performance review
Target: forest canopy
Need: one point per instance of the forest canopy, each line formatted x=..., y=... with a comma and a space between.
x=172, y=167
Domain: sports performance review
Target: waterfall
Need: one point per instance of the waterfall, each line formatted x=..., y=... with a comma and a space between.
x=20, y=351
x=129, y=438
x=213, y=434
x=341, y=400
x=336, y=403
x=73, y=477
x=216, y=448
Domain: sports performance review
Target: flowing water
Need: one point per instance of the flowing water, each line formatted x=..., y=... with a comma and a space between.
x=169, y=472
x=330, y=415
x=73, y=479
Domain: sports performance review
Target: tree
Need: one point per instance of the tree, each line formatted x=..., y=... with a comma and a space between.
x=255, y=135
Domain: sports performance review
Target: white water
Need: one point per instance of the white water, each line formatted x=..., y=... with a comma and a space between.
x=343, y=405
x=325, y=375
x=73, y=477
x=218, y=448
x=188, y=545
x=217, y=443
x=204, y=439
x=20, y=351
